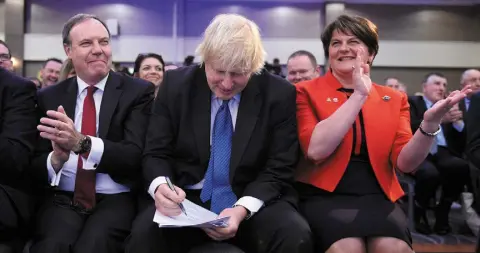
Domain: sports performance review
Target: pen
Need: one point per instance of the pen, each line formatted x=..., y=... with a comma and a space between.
x=170, y=185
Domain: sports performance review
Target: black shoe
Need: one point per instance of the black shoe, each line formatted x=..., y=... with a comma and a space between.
x=421, y=222
x=442, y=226
x=442, y=229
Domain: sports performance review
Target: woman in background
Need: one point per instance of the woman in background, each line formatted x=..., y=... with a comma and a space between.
x=355, y=135
x=67, y=70
x=150, y=67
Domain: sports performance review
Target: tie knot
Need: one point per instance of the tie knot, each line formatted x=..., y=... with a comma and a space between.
x=225, y=102
x=90, y=90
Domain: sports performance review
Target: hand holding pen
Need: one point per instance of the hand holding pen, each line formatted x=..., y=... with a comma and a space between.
x=169, y=198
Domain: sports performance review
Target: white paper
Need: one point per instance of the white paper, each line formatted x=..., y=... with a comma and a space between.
x=197, y=216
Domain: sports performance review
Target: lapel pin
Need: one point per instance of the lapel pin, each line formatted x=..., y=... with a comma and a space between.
x=335, y=100
x=386, y=98
x=329, y=100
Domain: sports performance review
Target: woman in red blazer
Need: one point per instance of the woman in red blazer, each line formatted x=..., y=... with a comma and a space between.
x=354, y=135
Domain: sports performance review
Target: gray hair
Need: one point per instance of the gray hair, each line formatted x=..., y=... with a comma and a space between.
x=79, y=18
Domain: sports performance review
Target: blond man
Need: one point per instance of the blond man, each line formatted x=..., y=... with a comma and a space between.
x=225, y=133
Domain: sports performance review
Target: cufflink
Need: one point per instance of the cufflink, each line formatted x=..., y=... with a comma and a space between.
x=386, y=98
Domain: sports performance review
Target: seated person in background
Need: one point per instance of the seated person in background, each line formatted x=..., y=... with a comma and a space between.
x=5, y=57
x=225, y=133
x=150, y=67
x=67, y=70
x=444, y=164
x=50, y=72
x=302, y=65
x=395, y=84
x=355, y=135
x=18, y=134
x=469, y=77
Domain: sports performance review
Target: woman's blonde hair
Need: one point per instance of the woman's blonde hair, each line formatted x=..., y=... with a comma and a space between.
x=234, y=42
x=67, y=67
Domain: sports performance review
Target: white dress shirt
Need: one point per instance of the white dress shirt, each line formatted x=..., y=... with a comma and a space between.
x=250, y=203
x=65, y=178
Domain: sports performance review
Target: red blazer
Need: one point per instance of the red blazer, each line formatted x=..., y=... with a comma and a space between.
x=386, y=120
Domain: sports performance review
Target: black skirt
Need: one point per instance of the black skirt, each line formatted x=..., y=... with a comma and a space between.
x=355, y=209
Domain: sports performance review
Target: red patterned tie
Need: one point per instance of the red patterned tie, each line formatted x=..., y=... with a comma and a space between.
x=84, y=194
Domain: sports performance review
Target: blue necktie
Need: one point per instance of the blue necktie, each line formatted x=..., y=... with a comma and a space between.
x=217, y=186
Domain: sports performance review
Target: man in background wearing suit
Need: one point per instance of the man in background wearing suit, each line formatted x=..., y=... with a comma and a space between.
x=93, y=132
x=444, y=165
x=225, y=133
x=18, y=133
x=469, y=77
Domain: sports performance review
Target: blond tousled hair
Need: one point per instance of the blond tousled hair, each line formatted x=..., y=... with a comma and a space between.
x=234, y=42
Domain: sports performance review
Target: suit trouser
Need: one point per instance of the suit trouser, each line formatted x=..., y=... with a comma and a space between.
x=16, y=209
x=444, y=169
x=61, y=228
x=277, y=228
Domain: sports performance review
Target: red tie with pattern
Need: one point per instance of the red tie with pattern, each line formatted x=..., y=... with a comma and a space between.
x=84, y=194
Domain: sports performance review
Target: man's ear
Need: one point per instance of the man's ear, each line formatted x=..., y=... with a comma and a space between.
x=68, y=49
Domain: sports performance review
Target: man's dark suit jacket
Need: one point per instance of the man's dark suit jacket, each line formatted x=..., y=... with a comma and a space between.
x=264, y=145
x=455, y=140
x=18, y=133
x=473, y=131
x=124, y=113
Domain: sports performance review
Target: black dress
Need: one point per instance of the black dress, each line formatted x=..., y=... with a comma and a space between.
x=357, y=207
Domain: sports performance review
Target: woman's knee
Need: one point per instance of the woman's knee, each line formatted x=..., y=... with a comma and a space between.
x=388, y=244
x=351, y=245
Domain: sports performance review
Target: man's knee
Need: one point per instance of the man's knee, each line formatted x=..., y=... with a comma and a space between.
x=51, y=244
x=292, y=235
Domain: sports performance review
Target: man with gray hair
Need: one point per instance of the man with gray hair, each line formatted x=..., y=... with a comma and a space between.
x=469, y=77
x=301, y=66
x=92, y=133
x=225, y=133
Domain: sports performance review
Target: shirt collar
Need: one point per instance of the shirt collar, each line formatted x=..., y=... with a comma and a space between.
x=235, y=98
x=83, y=85
x=427, y=102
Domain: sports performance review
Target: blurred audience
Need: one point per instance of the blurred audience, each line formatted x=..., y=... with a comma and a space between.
x=394, y=83
x=50, y=72
x=444, y=165
x=188, y=60
x=171, y=67
x=301, y=66
x=5, y=56
x=67, y=70
x=150, y=67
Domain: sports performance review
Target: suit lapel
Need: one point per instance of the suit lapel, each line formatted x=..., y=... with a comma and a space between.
x=248, y=109
x=70, y=98
x=110, y=98
x=201, y=114
x=422, y=106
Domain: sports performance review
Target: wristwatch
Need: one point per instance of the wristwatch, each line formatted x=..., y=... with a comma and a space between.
x=84, y=145
x=427, y=133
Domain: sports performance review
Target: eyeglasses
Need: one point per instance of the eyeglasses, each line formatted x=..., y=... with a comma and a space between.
x=4, y=57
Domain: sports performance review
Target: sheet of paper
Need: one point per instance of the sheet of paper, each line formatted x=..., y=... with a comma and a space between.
x=197, y=216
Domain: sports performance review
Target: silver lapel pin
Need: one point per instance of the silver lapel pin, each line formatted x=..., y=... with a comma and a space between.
x=386, y=98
